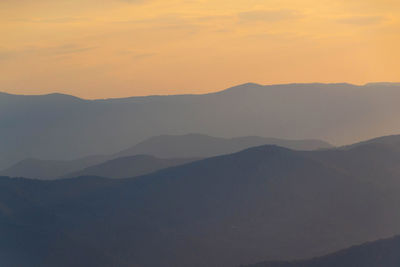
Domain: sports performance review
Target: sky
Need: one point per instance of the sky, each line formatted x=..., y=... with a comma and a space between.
x=117, y=48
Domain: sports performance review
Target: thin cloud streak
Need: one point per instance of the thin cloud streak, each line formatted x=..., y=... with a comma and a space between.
x=269, y=15
x=44, y=51
x=363, y=20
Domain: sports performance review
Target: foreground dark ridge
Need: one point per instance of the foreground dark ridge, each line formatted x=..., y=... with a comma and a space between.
x=382, y=253
x=264, y=203
x=64, y=128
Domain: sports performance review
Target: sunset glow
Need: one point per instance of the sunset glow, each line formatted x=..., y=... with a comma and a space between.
x=115, y=48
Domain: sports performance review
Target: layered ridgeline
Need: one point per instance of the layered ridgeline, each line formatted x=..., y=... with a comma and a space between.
x=155, y=153
x=261, y=204
x=382, y=253
x=50, y=169
x=130, y=166
x=200, y=145
x=121, y=167
x=62, y=127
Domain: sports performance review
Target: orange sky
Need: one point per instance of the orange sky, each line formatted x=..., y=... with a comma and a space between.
x=115, y=48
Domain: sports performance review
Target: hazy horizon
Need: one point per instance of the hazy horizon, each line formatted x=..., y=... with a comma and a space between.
x=201, y=93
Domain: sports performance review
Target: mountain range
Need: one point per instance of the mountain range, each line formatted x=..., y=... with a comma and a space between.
x=130, y=166
x=200, y=145
x=50, y=169
x=265, y=203
x=156, y=152
x=63, y=127
x=382, y=253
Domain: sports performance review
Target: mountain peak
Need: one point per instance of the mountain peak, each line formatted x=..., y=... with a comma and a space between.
x=53, y=96
x=58, y=96
x=241, y=87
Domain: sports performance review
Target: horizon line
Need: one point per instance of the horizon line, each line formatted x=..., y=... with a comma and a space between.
x=200, y=94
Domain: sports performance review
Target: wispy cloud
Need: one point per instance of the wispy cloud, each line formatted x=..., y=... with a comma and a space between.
x=269, y=15
x=166, y=23
x=134, y=1
x=137, y=55
x=52, y=20
x=69, y=49
x=362, y=20
x=143, y=55
x=6, y=54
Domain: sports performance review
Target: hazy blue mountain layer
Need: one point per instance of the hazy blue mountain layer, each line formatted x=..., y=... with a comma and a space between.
x=50, y=169
x=62, y=127
x=188, y=146
x=130, y=166
x=200, y=145
x=263, y=203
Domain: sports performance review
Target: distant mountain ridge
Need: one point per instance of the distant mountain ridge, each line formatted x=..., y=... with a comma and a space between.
x=390, y=140
x=156, y=152
x=50, y=169
x=61, y=127
x=200, y=145
x=383, y=83
x=382, y=253
x=130, y=166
